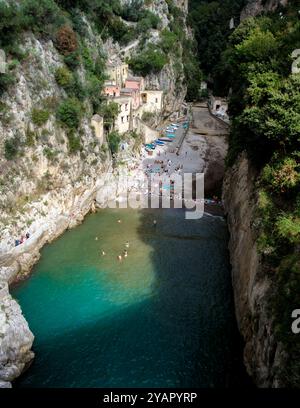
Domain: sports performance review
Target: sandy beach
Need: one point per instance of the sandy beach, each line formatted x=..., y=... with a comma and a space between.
x=200, y=149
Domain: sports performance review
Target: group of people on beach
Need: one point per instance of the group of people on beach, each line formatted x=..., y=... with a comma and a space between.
x=22, y=239
x=164, y=167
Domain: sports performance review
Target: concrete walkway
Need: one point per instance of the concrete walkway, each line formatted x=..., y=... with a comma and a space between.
x=203, y=149
x=204, y=123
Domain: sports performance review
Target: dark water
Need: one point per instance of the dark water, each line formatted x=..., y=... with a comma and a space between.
x=161, y=318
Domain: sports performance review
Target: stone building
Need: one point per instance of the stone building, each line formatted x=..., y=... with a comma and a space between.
x=117, y=72
x=111, y=89
x=130, y=94
x=97, y=124
x=152, y=101
x=135, y=83
x=123, y=122
x=135, y=96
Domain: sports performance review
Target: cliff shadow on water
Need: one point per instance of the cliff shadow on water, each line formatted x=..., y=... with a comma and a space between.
x=191, y=261
x=164, y=317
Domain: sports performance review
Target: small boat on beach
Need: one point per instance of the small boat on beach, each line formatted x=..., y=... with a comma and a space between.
x=151, y=146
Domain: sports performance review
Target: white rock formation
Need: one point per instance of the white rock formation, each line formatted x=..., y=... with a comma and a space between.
x=16, y=339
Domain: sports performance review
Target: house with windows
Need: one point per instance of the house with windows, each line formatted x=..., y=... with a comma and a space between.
x=111, y=89
x=134, y=94
x=123, y=122
x=117, y=72
x=130, y=94
x=152, y=101
x=135, y=83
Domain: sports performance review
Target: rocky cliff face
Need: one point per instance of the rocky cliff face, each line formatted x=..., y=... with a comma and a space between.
x=46, y=188
x=171, y=82
x=252, y=284
x=16, y=339
x=255, y=7
x=171, y=79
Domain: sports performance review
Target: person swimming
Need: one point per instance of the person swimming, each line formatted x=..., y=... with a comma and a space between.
x=96, y=239
x=154, y=223
x=125, y=253
x=120, y=258
x=127, y=244
x=119, y=221
x=103, y=253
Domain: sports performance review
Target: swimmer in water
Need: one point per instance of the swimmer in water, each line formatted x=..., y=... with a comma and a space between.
x=154, y=223
x=127, y=244
x=125, y=254
x=96, y=239
x=103, y=253
x=120, y=258
x=119, y=221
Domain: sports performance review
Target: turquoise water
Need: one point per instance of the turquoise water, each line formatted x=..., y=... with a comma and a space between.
x=163, y=317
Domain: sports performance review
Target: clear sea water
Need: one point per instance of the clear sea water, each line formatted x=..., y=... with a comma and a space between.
x=163, y=317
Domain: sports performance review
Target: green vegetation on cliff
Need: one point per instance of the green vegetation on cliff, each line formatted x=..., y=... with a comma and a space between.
x=255, y=63
x=265, y=105
x=174, y=45
x=210, y=20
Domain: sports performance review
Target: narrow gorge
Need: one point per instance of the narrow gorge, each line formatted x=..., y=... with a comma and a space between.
x=93, y=89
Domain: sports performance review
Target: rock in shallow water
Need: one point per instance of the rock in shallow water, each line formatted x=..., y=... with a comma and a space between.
x=15, y=339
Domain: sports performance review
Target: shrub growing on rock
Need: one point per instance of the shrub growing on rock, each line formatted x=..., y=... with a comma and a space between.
x=39, y=116
x=72, y=60
x=39, y=15
x=66, y=40
x=150, y=60
x=69, y=113
x=74, y=142
x=64, y=77
x=283, y=176
x=11, y=148
x=109, y=111
x=148, y=116
x=114, y=140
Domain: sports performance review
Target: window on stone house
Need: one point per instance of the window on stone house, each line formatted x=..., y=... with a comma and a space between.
x=122, y=119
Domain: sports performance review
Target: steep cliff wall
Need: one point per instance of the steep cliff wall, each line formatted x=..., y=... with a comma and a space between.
x=252, y=283
x=52, y=166
x=16, y=339
x=265, y=272
x=255, y=7
x=45, y=187
x=171, y=79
